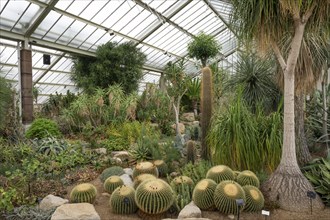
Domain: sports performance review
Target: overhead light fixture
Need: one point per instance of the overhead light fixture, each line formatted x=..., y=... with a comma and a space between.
x=111, y=32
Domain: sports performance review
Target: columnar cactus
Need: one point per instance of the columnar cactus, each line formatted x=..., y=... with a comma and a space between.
x=84, y=192
x=161, y=167
x=225, y=196
x=219, y=173
x=154, y=196
x=122, y=200
x=111, y=171
x=140, y=178
x=112, y=183
x=254, y=199
x=191, y=151
x=203, y=194
x=145, y=167
x=206, y=109
x=247, y=177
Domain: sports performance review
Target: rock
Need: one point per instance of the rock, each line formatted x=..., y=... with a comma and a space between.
x=127, y=180
x=76, y=211
x=190, y=211
x=105, y=194
x=128, y=171
x=187, y=218
x=120, y=154
x=101, y=150
x=51, y=201
x=174, y=174
x=196, y=123
x=231, y=216
x=182, y=128
x=117, y=160
x=189, y=116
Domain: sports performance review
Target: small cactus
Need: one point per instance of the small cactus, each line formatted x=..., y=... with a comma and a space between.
x=154, y=196
x=203, y=194
x=247, y=177
x=111, y=171
x=145, y=167
x=140, y=178
x=112, y=183
x=254, y=199
x=161, y=167
x=84, y=192
x=220, y=173
x=191, y=151
x=225, y=196
x=122, y=200
x=236, y=173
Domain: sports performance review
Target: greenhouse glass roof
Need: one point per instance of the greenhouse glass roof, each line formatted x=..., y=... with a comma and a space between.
x=161, y=28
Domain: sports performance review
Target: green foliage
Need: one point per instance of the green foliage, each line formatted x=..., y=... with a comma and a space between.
x=161, y=167
x=191, y=151
x=225, y=196
x=254, y=199
x=84, y=192
x=318, y=173
x=112, y=183
x=41, y=128
x=142, y=177
x=27, y=213
x=203, y=194
x=114, y=64
x=50, y=145
x=111, y=171
x=145, y=167
x=203, y=47
x=183, y=187
x=5, y=99
x=247, y=177
x=56, y=103
x=196, y=171
x=154, y=196
x=220, y=173
x=122, y=200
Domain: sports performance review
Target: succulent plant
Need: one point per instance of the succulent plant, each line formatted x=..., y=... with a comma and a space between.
x=140, y=178
x=191, y=151
x=247, y=177
x=161, y=167
x=225, y=196
x=122, y=200
x=154, y=196
x=183, y=187
x=84, y=192
x=219, y=173
x=236, y=173
x=203, y=194
x=112, y=183
x=254, y=199
x=145, y=167
x=111, y=171
x=182, y=180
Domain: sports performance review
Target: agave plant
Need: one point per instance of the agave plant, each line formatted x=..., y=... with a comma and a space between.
x=51, y=146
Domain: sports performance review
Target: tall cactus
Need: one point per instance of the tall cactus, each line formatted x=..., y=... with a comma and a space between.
x=206, y=108
x=191, y=151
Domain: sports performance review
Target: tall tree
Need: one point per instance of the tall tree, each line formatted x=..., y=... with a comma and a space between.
x=271, y=21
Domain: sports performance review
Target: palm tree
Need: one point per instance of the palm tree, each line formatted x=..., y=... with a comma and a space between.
x=267, y=22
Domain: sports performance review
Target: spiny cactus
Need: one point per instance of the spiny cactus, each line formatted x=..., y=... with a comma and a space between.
x=112, y=183
x=142, y=177
x=161, y=167
x=154, y=196
x=191, y=151
x=225, y=196
x=219, y=173
x=111, y=171
x=183, y=187
x=236, y=173
x=203, y=194
x=254, y=199
x=84, y=192
x=247, y=177
x=122, y=200
x=145, y=167
x=206, y=109
x=182, y=180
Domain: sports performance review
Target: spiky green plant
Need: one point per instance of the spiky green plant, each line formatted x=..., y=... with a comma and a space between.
x=219, y=173
x=122, y=200
x=161, y=167
x=236, y=173
x=145, y=167
x=111, y=171
x=154, y=196
x=203, y=194
x=225, y=196
x=254, y=199
x=196, y=171
x=84, y=192
x=247, y=177
x=142, y=177
x=191, y=151
x=112, y=183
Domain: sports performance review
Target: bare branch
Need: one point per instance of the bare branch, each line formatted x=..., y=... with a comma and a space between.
x=279, y=56
x=308, y=13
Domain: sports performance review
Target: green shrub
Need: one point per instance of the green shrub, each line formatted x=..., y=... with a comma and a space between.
x=41, y=128
x=196, y=171
x=111, y=171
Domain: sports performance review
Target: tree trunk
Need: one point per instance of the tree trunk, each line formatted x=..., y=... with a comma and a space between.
x=325, y=113
x=303, y=154
x=194, y=104
x=287, y=186
x=176, y=111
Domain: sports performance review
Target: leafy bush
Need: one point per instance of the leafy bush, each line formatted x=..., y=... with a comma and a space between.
x=41, y=128
x=5, y=99
x=50, y=145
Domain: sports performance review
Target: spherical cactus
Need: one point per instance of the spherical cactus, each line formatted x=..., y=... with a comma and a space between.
x=140, y=178
x=122, y=200
x=111, y=171
x=84, y=192
x=225, y=196
x=254, y=199
x=247, y=177
x=182, y=180
x=161, y=167
x=112, y=183
x=154, y=196
x=145, y=167
x=203, y=194
x=220, y=173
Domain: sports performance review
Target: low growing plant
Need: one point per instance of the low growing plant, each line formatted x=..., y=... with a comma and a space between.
x=41, y=128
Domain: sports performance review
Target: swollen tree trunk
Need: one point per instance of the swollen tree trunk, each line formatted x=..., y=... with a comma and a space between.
x=287, y=186
x=303, y=153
